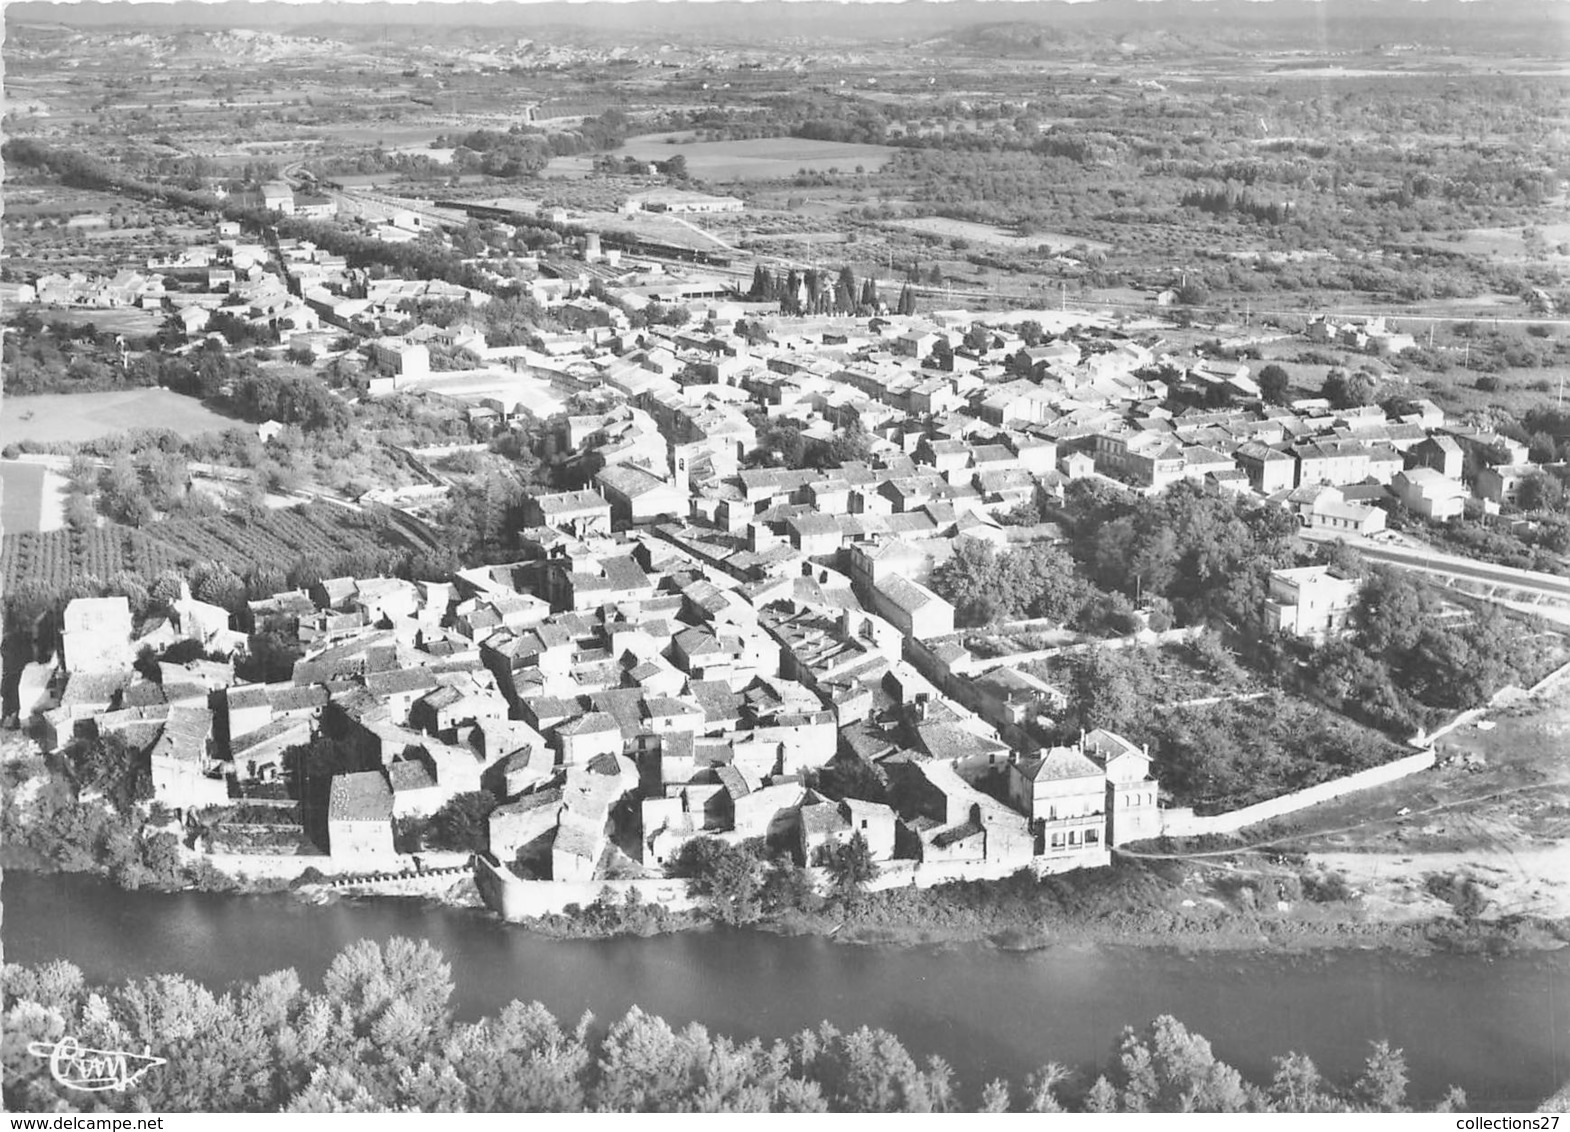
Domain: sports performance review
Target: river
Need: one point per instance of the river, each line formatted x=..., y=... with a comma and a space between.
x=1499, y=1028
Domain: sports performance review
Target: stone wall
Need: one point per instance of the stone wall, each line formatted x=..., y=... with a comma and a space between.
x=905, y=873
x=514, y=898
x=1184, y=822
x=274, y=866
x=978, y=665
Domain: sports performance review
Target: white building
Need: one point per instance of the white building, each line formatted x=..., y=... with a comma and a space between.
x=1309, y=602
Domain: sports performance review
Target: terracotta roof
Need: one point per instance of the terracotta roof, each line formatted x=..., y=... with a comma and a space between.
x=410, y=774
x=1060, y=762
x=360, y=797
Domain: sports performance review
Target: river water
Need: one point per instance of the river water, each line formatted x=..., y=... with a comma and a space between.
x=1499, y=1028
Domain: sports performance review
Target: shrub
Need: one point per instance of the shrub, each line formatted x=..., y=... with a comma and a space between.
x=1326, y=888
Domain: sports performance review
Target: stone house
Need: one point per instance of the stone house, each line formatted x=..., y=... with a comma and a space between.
x=359, y=815
x=1063, y=793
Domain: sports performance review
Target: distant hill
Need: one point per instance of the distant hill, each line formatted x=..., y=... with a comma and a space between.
x=987, y=27
x=1185, y=27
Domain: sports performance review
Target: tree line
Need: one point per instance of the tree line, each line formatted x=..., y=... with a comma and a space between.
x=817, y=292
x=380, y=1036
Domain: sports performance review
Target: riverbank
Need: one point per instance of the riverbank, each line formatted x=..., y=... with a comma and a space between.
x=1130, y=905
x=1210, y=906
x=1133, y=904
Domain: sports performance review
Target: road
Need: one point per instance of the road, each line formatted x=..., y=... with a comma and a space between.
x=1454, y=569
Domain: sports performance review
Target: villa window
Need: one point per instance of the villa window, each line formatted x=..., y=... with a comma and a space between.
x=1092, y=837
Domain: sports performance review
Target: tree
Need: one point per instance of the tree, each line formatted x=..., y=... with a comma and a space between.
x=108, y=765
x=1344, y=560
x=270, y=656
x=850, y=865
x=1105, y=693
x=969, y=581
x=408, y=980
x=1298, y=1087
x=1540, y=492
x=1041, y=1088
x=162, y=860
x=1166, y=1068
x=1348, y=391
x=321, y=759
x=1384, y=1081
x=848, y=445
x=994, y=1097
x=727, y=877
x=463, y=823
x=1274, y=384
x=80, y=514
x=123, y=496
x=1390, y=611
x=217, y=584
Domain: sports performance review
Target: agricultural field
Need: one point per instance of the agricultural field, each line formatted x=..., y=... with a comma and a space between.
x=57, y=558
x=751, y=159
x=70, y=418
x=280, y=537
x=332, y=535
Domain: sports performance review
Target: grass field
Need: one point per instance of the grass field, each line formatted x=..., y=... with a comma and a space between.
x=64, y=418
x=675, y=231
x=987, y=234
x=754, y=159
x=1510, y=243
x=118, y=320
x=21, y=496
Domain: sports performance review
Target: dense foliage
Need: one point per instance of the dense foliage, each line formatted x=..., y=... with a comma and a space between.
x=90, y=813
x=380, y=1036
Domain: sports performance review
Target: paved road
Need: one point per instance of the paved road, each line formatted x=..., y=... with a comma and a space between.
x=1467, y=570
x=1461, y=569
